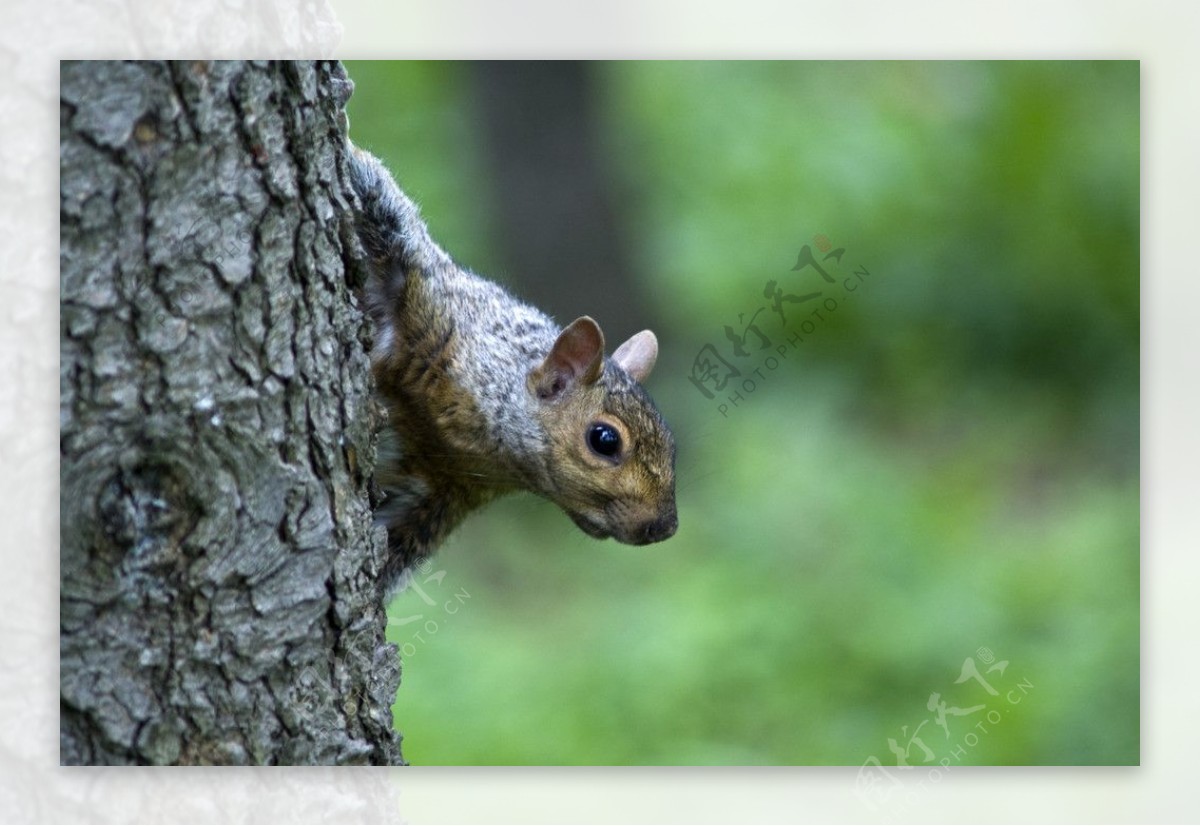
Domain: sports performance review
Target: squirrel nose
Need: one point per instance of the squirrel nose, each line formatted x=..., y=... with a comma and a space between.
x=661, y=528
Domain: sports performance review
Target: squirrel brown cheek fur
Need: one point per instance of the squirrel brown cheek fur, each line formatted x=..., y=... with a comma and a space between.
x=487, y=395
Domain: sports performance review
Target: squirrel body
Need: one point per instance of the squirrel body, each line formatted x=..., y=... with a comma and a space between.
x=486, y=395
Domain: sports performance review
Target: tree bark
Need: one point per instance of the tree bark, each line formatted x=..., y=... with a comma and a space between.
x=219, y=562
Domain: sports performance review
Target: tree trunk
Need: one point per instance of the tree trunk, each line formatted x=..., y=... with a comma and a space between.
x=219, y=563
x=557, y=203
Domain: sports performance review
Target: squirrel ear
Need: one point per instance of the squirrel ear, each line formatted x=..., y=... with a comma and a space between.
x=638, y=355
x=577, y=355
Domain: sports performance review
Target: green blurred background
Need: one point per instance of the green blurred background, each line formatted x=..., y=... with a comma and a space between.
x=947, y=463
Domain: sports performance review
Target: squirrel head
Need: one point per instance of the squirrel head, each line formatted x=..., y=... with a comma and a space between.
x=611, y=459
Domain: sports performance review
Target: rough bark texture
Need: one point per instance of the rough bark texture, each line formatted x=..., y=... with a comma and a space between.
x=218, y=600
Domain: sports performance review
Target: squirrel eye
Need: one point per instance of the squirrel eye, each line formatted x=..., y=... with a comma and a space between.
x=604, y=439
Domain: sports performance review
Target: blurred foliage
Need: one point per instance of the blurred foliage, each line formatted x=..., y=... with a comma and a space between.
x=948, y=462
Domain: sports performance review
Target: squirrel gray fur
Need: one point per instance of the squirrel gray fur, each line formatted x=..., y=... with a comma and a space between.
x=486, y=395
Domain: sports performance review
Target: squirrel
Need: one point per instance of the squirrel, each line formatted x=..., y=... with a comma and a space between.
x=486, y=395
